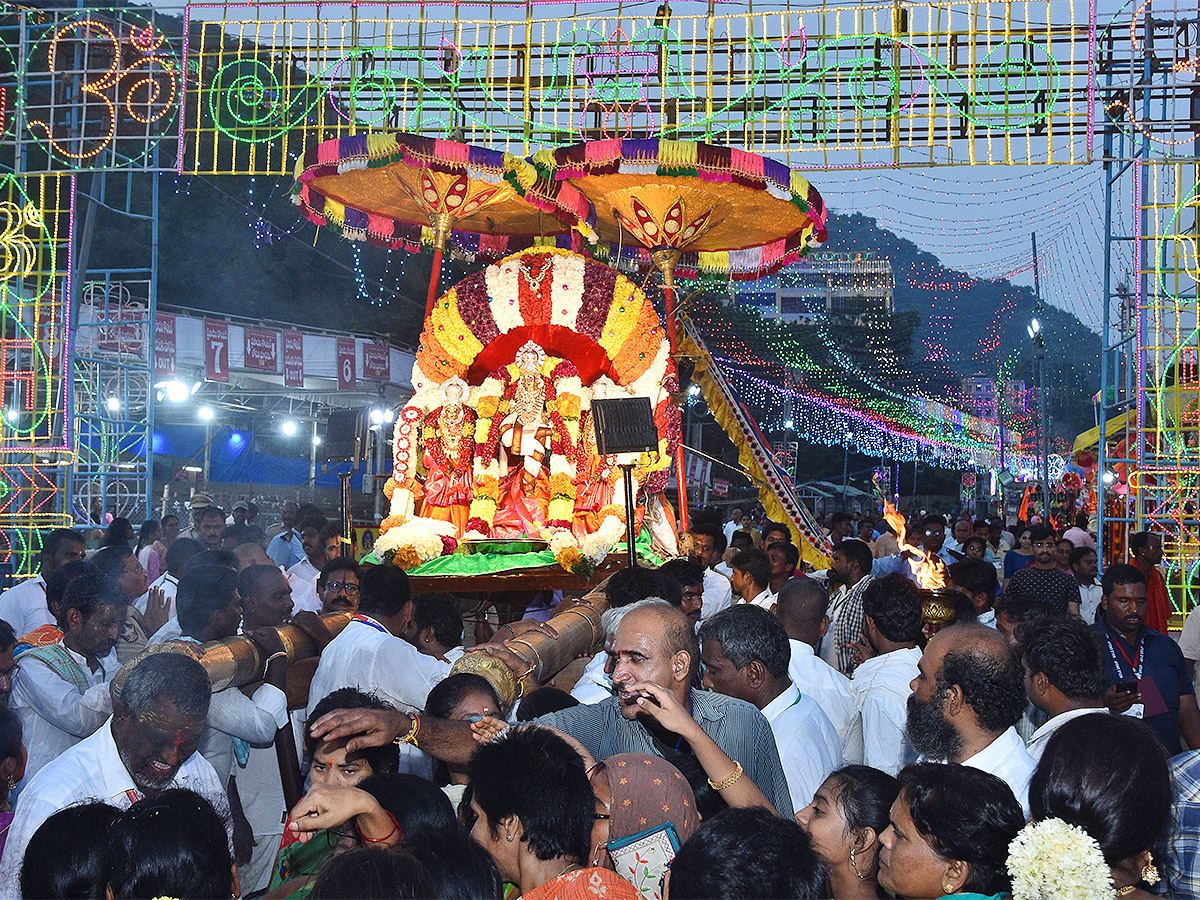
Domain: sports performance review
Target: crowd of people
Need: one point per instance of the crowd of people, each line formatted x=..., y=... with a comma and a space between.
x=751, y=728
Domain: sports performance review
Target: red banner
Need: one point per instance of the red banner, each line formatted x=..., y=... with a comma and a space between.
x=293, y=359
x=216, y=350
x=377, y=362
x=164, y=345
x=261, y=349
x=346, y=363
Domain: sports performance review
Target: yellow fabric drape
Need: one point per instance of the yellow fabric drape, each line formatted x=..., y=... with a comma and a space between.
x=722, y=409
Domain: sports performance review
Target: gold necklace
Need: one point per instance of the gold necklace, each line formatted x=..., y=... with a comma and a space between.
x=1128, y=889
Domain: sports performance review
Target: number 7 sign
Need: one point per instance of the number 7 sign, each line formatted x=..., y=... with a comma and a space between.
x=216, y=350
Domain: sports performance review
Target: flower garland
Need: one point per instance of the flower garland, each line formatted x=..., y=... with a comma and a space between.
x=405, y=490
x=1051, y=860
x=416, y=549
x=581, y=558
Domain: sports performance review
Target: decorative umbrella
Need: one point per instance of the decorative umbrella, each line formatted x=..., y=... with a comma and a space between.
x=677, y=196
x=386, y=188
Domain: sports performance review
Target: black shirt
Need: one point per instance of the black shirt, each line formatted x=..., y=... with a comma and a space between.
x=1054, y=586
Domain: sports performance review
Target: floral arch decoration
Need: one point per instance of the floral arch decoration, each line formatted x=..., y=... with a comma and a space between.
x=592, y=323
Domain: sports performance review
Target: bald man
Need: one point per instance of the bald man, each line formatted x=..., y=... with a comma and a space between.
x=251, y=554
x=967, y=697
x=801, y=608
x=655, y=656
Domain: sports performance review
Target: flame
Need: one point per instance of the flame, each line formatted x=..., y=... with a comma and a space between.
x=929, y=571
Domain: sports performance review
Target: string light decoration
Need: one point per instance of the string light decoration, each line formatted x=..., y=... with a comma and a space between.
x=127, y=78
x=35, y=221
x=785, y=379
x=793, y=82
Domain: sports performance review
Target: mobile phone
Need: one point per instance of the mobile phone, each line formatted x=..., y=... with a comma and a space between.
x=1126, y=687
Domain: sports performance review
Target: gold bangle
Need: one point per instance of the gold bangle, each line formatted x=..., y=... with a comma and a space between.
x=728, y=782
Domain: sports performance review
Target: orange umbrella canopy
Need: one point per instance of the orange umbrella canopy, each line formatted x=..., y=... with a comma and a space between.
x=694, y=197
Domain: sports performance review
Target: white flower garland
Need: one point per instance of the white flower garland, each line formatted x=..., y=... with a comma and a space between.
x=567, y=292
x=1051, y=860
x=501, y=279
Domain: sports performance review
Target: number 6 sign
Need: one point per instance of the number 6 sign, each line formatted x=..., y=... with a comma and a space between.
x=216, y=350
x=347, y=368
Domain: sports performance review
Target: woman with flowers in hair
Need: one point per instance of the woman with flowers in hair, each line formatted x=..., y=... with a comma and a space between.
x=1100, y=800
x=448, y=439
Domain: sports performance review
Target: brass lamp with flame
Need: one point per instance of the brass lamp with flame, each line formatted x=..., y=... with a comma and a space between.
x=937, y=600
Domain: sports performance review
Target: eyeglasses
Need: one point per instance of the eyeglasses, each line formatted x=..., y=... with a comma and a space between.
x=335, y=586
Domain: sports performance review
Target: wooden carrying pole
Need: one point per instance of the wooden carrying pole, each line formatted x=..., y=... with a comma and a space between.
x=580, y=632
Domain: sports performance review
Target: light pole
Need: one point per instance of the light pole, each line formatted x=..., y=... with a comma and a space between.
x=1039, y=349
x=846, y=465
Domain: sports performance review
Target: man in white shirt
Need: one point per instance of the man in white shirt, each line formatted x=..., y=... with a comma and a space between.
x=800, y=607
x=959, y=532
x=882, y=681
x=1063, y=661
x=23, y=606
x=1084, y=567
x=708, y=547
x=746, y=653
x=734, y=523
x=178, y=556
x=371, y=654
x=209, y=610
x=966, y=700
x=147, y=746
x=320, y=540
x=61, y=690
x=751, y=578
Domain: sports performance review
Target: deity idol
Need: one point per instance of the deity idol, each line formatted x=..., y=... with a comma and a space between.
x=448, y=437
x=598, y=476
x=524, y=449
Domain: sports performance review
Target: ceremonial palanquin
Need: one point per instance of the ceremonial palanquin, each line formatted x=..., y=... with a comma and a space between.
x=498, y=442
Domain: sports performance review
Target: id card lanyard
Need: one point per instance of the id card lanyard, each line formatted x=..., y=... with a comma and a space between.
x=1135, y=664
